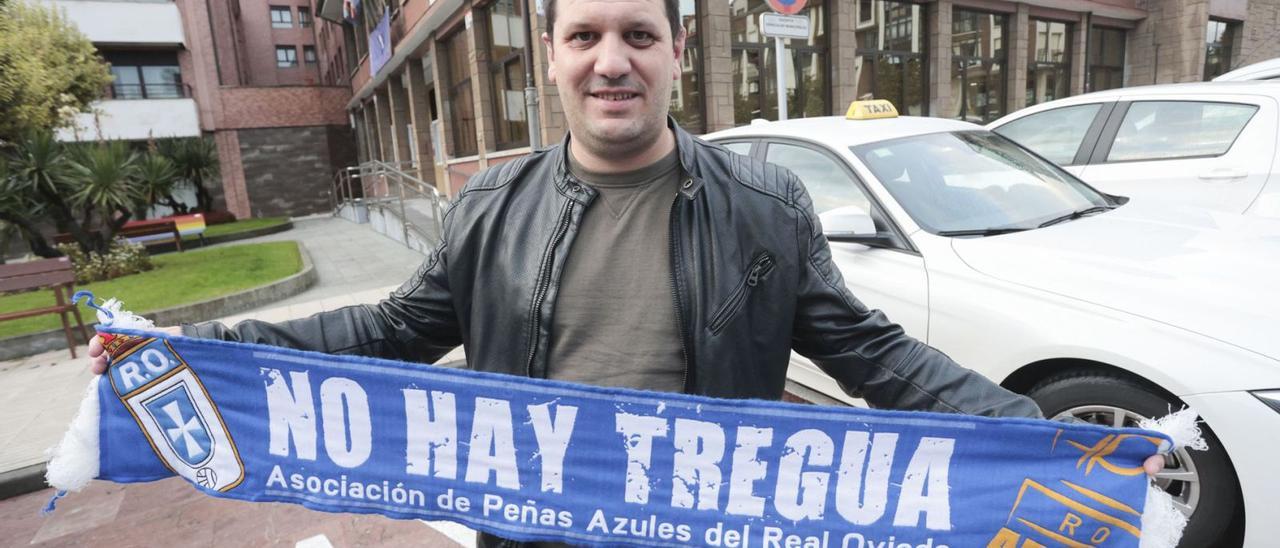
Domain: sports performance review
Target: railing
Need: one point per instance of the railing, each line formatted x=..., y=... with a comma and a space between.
x=381, y=184
x=148, y=91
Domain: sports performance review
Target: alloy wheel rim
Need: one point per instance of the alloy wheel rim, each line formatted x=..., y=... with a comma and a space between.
x=1180, y=478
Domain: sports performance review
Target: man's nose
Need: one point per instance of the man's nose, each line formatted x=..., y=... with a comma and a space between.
x=613, y=59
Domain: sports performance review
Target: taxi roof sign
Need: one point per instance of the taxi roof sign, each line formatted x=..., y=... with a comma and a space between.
x=870, y=110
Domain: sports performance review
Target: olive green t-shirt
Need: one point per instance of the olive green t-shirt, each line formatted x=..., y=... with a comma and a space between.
x=615, y=320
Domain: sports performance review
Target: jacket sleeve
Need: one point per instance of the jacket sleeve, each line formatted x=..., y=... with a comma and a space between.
x=415, y=323
x=871, y=357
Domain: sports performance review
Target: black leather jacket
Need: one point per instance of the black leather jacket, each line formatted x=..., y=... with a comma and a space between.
x=752, y=278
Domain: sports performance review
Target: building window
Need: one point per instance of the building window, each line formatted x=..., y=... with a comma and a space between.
x=1049, y=61
x=1217, y=55
x=866, y=12
x=309, y=55
x=891, y=56
x=281, y=17
x=978, y=59
x=506, y=63
x=754, y=71
x=304, y=17
x=286, y=57
x=1106, y=58
x=145, y=75
x=686, y=93
x=462, y=117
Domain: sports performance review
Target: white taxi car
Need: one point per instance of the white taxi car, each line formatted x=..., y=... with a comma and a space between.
x=1211, y=145
x=1096, y=306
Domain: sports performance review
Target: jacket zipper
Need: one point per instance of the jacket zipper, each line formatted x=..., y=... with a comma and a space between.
x=760, y=269
x=675, y=290
x=544, y=281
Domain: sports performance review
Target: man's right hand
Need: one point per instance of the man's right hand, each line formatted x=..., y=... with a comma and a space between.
x=98, y=355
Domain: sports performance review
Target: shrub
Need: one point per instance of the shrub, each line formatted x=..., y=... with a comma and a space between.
x=121, y=259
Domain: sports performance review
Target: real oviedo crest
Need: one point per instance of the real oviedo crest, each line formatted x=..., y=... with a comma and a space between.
x=174, y=411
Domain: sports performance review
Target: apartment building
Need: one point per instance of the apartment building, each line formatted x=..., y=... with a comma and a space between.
x=439, y=84
x=245, y=72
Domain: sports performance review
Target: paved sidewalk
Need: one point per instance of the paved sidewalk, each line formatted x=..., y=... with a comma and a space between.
x=40, y=394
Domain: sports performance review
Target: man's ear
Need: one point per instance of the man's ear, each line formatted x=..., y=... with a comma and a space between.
x=677, y=48
x=551, y=58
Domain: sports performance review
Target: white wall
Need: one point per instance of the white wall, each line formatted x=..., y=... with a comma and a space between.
x=136, y=119
x=124, y=22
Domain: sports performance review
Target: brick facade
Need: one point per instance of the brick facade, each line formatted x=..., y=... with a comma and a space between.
x=288, y=171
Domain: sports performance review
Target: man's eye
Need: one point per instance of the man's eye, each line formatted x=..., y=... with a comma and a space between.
x=639, y=37
x=582, y=37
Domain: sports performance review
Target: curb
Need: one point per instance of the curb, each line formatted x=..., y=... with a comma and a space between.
x=27, y=479
x=217, y=307
x=192, y=245
x=287, y=225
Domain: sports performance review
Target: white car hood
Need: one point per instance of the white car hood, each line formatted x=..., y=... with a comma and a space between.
x=1211, y=273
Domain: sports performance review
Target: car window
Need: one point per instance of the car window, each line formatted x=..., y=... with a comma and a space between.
x=1055, y=134
x=742, y=147
x=1158, y=130
x=973, y=180
x=829, y=184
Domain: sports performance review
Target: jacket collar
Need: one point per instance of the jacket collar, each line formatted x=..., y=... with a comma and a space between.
x=686, y=149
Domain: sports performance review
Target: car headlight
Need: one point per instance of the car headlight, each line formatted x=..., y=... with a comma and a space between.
x=1269, y=397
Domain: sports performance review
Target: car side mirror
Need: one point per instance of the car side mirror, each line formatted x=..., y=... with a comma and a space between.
x=852, y=224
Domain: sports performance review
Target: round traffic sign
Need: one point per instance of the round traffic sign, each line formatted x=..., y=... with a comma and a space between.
x=787, y=7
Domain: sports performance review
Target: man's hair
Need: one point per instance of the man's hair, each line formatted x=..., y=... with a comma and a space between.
x=672, y=7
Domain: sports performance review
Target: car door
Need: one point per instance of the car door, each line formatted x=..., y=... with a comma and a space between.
x=1065, y=135
x=892, y=279
x=1215, y=153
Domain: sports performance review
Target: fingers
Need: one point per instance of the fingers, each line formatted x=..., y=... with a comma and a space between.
x=1153, y=465
x=98, y=357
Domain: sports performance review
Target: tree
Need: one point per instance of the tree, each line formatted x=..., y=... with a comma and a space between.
x=107, y=179
x=196, y=160
x=41, y=172
x=18, y=211
x=156, y=177
x=48, y=70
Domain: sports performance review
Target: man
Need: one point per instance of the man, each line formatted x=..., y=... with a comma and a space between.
x=636, y=255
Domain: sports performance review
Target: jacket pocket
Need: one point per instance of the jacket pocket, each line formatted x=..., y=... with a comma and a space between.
x=759, y=270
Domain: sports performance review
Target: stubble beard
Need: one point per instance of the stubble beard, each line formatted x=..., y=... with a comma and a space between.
x=619, y=141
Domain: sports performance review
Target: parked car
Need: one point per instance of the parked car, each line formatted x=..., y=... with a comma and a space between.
x=1095, y=306
x=1208, y=144
x=1262, y=70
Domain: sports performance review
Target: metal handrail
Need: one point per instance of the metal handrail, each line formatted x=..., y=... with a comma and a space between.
x=379, y=183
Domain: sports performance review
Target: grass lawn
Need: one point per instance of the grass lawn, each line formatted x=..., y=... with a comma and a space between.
x=240, y=226
x=178, y=278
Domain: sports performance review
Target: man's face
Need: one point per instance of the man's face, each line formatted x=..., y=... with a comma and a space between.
x=613, y=62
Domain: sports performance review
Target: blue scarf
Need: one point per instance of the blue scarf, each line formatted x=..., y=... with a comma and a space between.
x=533, y=459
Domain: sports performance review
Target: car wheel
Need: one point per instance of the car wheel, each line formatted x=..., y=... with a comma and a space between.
x=1203, y=483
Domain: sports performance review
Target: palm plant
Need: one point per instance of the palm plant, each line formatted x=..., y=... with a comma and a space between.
x=106, y=174
x=156, y=177
x=40, y=170
x=18, y=212
x=197, y=161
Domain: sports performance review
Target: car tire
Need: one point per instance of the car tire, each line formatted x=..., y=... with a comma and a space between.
x=1089, y=394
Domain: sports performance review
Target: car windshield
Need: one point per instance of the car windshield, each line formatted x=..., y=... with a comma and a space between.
x=973, y=181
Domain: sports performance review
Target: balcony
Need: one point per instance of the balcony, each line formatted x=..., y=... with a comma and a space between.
x=127, y=22
x=137, y=115
x=129, y=92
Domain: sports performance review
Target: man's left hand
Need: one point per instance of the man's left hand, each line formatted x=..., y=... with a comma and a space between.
x=1153, y=465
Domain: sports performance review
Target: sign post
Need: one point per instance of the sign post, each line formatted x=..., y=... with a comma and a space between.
x=783, y=24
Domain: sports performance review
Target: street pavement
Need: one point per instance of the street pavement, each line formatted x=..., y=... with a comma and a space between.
x=40, y=394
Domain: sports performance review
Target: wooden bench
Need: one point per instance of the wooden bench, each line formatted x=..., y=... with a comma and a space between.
x=53, y=274
x=189, y=225
x=149, y=232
